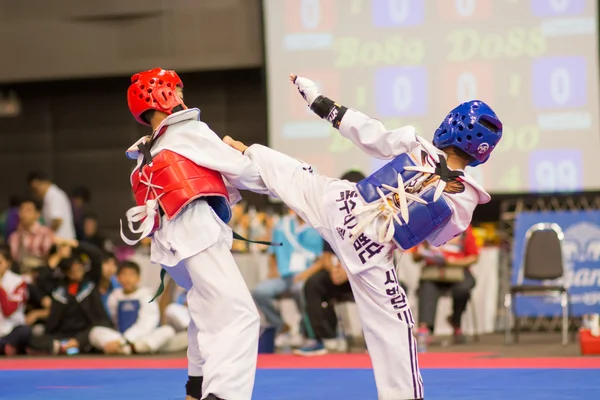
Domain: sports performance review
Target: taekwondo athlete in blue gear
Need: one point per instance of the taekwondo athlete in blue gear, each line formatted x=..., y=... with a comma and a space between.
x=421, y=194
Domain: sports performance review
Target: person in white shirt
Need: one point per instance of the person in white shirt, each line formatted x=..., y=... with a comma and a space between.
x=421, y=194
x=56, y=211
x=136, y=318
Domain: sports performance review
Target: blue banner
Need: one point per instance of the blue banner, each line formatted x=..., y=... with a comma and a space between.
x=581, y=256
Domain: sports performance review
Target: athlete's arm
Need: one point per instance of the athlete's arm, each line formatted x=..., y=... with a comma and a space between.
x=462, y=205
x=368, y=134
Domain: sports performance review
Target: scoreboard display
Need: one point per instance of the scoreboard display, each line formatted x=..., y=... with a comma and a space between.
x=408, y=62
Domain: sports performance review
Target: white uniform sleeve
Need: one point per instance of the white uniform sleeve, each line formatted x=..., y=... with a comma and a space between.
x=112, y=303
x=374, y=139
x=462, y=205
x=197, y=142
x=148, y=318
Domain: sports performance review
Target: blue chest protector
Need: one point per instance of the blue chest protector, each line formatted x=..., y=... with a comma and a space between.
x=426, y=218
x=127, y=314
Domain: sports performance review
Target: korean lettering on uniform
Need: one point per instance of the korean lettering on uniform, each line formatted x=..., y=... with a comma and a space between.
x=364, y=246
x=398, y=297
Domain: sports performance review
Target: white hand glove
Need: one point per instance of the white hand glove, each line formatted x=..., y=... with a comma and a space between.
x=306, y=87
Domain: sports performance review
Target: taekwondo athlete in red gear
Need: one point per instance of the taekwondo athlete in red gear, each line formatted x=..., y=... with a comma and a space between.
x=421, y=194
x=184, y=183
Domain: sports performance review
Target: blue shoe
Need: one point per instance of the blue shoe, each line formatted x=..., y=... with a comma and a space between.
x=316, y=349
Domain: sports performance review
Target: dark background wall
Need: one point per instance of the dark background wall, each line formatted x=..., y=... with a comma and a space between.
x=53, y=39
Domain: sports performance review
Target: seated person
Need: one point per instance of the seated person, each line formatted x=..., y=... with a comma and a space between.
x=92, y=236
x=301, y=245
x=446, y=269
x=108, y=280
x=9, y=219
x=174, y=306
x=76, y=307
x=49, y=277
x=330, y=283
x=136, y=318
x=14, y=334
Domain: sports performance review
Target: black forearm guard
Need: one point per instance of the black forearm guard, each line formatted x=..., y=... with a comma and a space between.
x=327, y=109
x=193, y=387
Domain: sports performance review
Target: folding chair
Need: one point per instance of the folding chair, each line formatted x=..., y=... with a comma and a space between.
x=542, y=261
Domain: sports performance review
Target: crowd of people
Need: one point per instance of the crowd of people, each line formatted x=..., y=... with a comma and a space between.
x=67, y=289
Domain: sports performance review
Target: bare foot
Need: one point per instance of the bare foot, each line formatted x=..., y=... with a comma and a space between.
x=239, y=146
x=293, y=78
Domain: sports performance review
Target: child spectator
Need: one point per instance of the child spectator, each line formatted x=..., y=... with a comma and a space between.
x=135, y=317
x=76, y=308
x=14, y=334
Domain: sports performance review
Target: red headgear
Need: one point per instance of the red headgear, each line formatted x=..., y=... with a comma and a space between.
x=153, y=90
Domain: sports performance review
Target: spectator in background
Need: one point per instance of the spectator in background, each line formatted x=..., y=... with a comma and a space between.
x=174, y=306
x=76, y=308
x=92, y=236
x=14, y=334
x=240, y=223
x=51, y=277
x=80, y=197
x=260, y=229
x=301, y=246
x=108, y=281
x=56, y=209
x=30, y=244
x=136, y=318
x=9, y=220
x=150, y=275
x=446, y=269
x=327, y=285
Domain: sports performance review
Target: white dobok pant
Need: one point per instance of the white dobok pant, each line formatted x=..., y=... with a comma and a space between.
x=382, y=304
x=224, y=325
x=151, y=343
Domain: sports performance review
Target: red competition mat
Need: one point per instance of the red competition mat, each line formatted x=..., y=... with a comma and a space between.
x=284, y=361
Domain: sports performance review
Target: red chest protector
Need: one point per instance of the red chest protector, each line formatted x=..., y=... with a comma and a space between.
x=170, y=182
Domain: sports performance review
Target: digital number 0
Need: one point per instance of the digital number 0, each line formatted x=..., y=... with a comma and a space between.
x=560, y=85
x=402, y=93
x=399, y=10
x=559, y=5
x=310, y=13
x=465, y=8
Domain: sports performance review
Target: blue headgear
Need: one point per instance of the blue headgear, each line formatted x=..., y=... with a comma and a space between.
x=472, y=127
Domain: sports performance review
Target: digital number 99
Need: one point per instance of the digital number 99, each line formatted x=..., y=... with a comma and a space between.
x=556, y=177
x=556, y=170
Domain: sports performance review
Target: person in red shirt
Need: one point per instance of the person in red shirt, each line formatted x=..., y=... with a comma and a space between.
x=446, y=269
